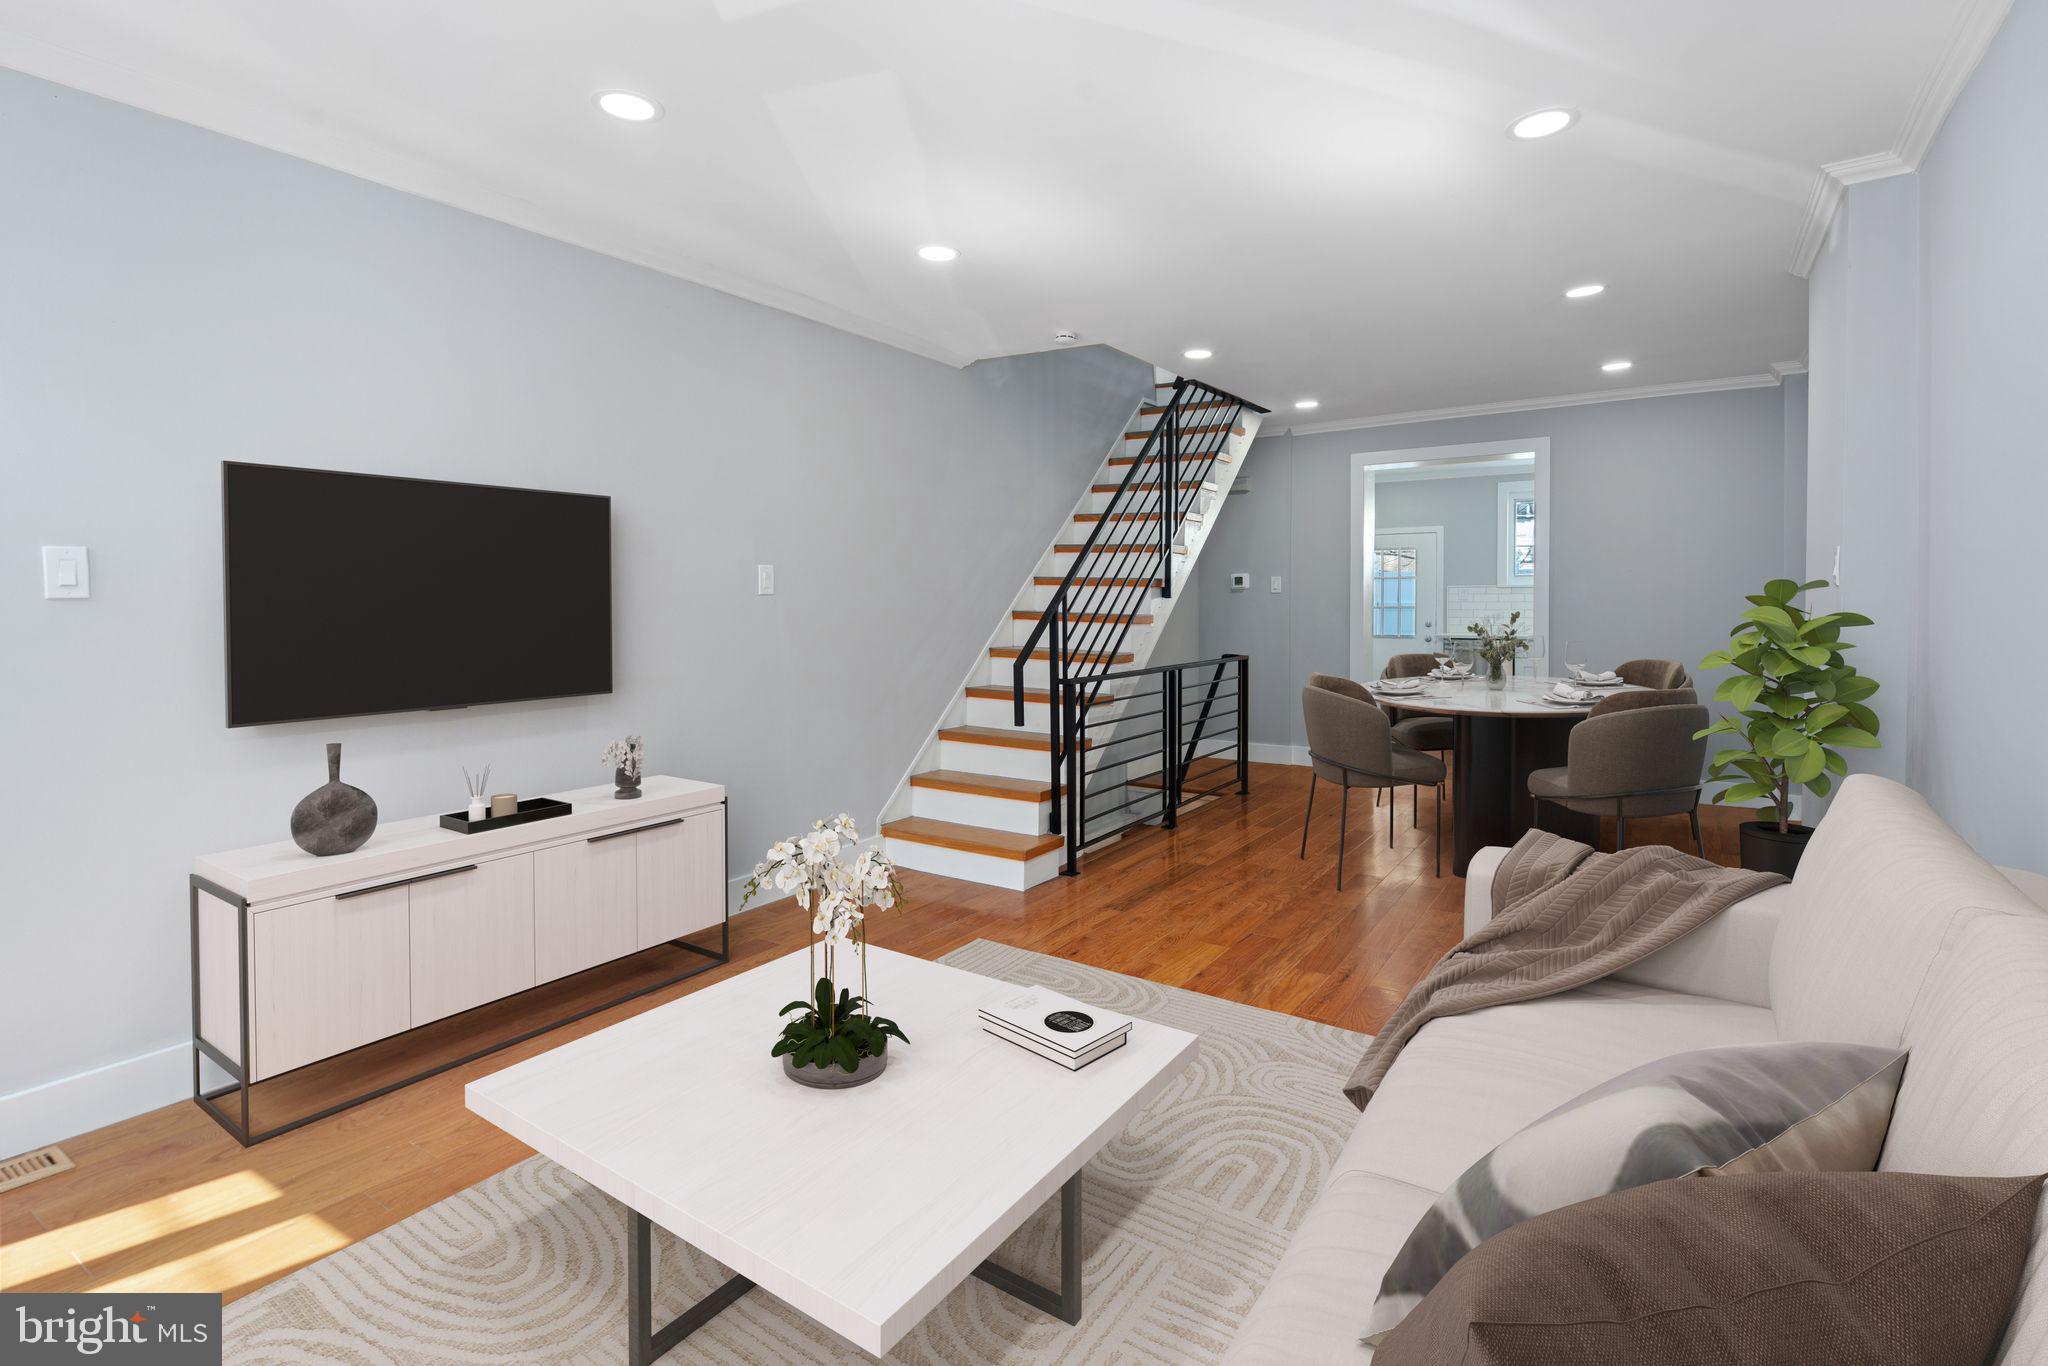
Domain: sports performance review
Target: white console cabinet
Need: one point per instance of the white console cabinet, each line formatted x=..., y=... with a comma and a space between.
x=297, y=958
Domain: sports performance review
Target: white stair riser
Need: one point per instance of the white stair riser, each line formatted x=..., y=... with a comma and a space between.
x=1017, y=875
x=1005, y=761
x=1038, y=669
x=987, y=711
x=990, y=813
x=1137, y=564
x=1144, y=602
x=1097, y=635
x=1145, y=497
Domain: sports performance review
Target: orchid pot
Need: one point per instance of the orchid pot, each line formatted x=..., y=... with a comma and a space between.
x=833, y=1039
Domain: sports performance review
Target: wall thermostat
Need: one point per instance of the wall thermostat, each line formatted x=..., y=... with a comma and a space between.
x=1239, y=581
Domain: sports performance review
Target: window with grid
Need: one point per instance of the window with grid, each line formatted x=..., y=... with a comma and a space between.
x=1393, y=591
x=1518, y=534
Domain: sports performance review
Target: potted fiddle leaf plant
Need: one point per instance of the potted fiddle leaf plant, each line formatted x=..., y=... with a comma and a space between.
x=835, y=1039
x=1798, y=703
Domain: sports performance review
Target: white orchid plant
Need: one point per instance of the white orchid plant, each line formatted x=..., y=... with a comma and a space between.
x=626, y=756
x=836, y=1026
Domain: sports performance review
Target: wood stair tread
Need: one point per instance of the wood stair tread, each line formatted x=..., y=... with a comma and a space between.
x=1185, y=484
x=972, y=839
x=1132, y=459
x=1054, y=581
x=1011, y=652
x=985, y=785
x=1087, y=618
x=1209, y=430
x=993, y=693
x=1128, y=516
x=1009, y=737
x=1157, y=409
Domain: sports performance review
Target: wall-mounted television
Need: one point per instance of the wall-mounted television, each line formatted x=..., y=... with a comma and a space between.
x=351, y=594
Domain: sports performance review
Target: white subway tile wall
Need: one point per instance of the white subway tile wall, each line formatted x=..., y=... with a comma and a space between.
x=1465, y=603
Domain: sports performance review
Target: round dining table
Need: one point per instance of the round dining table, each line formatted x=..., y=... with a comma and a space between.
x=1500, y=738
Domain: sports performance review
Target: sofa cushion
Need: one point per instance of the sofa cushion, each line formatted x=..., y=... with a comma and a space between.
x=1769, y=1269
x=1756, y=1107
x=1467, y=1082
x=1883, y=885
x=1311, y=1309
x=1975, y=1100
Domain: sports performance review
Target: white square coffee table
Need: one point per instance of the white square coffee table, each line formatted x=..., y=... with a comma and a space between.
x=862, y=1207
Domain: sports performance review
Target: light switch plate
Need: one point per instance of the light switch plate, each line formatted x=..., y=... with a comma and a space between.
x=1276, y=583
x=66, y=572
x=764, y=579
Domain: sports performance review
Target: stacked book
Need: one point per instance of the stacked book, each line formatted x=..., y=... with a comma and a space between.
x=1055, y=1026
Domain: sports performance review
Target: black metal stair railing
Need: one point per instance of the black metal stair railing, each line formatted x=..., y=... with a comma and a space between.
x=1179, y=736
x=1126, y=558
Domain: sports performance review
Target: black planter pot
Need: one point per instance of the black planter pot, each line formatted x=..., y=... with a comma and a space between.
x=1767, y=849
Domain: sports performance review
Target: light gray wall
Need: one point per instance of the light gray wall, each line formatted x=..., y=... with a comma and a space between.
x=1793, y=487
x=1866, y=462
x=1468, y=510
x=1664, y=513
x=173, y=299
x=1928, y=352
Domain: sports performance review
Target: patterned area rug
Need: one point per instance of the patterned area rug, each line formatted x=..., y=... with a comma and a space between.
x=1185, y=1217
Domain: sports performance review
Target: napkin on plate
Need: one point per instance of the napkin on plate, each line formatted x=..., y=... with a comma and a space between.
x=1454, y=671
x=1601, y=678
x=1565, y=692
x=1398, y=685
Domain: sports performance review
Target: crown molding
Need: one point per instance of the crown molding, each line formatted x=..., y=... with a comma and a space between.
x=323, y=145
x=1975, y=28
x=1524, y=405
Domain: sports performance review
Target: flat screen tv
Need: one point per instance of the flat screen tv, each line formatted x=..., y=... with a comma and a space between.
x=349, y=594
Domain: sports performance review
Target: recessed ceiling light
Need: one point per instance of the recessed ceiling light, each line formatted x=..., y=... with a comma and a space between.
x=1199, y=353
x=935, y=252
x=1542, y=123
x=1584, y=291
x=1615, y=367
x=624, y=104
x=1308, y=403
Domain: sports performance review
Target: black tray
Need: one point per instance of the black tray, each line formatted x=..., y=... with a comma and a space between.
x=532, y=809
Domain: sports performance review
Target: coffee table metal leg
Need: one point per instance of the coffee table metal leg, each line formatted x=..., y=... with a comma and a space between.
x=1065, y=1303
x=644, y=1343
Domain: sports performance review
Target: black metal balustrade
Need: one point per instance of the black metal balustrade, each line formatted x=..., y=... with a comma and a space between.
x=1126, y=559
x=1176, y=735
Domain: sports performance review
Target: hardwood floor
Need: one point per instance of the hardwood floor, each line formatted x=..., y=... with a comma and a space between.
x=168, y=1202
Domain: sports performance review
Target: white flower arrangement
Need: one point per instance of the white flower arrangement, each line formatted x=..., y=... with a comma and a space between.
x=627, y=754
x=838, y=895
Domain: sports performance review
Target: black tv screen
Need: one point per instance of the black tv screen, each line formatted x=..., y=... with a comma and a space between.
x=349, y=594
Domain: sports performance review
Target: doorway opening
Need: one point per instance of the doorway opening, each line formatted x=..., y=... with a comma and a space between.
x=1445, y=538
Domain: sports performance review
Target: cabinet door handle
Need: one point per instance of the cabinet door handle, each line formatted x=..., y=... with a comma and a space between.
x=404, y=882
x=621, y=834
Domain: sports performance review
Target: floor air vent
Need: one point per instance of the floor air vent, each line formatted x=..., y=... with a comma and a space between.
x=19, y=1171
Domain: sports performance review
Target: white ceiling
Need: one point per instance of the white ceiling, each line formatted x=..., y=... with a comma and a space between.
x=1321, y=190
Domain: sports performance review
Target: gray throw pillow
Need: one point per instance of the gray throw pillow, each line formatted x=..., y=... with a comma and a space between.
x=1799, y=1107
x=1771, y=1269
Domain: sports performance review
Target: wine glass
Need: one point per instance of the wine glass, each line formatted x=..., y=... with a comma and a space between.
x=1574, y=657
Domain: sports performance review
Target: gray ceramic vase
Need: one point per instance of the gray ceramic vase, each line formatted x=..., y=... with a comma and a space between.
x=335, y=818
x=836, y=1078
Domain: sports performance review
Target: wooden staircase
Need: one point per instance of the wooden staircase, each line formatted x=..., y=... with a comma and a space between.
x=978, y=802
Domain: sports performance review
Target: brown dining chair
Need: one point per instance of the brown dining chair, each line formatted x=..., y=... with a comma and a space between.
x=1654, y=673
x=1351, y=744
x=1350, y=687
x=1643, y=697
x=1420, y=731
x=1634, y=761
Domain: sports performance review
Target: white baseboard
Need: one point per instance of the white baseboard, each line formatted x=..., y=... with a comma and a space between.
x=1279, y=754
x=61, y=1109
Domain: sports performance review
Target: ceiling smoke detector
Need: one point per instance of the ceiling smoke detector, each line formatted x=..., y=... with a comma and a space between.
x=1065, y=338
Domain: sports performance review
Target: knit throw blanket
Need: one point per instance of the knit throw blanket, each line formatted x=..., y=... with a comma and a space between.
x=1563, y=916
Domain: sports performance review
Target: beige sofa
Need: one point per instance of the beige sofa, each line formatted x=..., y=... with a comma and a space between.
x=1895, y=931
